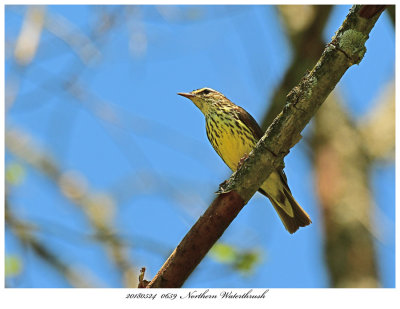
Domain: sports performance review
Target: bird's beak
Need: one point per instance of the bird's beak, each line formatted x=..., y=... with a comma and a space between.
x=186, y=95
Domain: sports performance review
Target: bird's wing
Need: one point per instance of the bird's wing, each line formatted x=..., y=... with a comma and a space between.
x=250, y=122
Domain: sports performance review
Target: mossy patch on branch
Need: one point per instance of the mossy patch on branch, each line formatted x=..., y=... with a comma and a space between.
x=352, y=42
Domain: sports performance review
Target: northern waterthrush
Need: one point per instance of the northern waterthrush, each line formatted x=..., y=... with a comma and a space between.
x=233, y=133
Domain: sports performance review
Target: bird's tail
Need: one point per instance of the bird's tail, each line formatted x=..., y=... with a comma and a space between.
x=290, y=212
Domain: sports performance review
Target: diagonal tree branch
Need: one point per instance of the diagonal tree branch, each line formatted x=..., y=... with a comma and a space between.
x=346, y=48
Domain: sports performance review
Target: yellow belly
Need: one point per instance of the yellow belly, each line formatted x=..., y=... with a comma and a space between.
x=231, y=139
x=233, y=148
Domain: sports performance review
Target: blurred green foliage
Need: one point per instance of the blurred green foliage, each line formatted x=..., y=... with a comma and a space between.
x=244, y=261
x=13, y=266
x=14, y=173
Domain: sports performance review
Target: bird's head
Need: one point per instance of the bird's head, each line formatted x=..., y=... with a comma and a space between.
x=206, y=99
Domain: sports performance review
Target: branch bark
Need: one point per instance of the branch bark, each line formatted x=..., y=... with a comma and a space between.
x=346, y=48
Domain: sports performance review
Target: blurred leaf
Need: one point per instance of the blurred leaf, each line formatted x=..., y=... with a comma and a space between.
x=245, y=262
x=15, y=173
x=13, y=266
x=223, y=253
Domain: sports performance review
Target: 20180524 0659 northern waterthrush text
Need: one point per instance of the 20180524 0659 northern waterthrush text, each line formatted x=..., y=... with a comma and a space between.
x=233, y=133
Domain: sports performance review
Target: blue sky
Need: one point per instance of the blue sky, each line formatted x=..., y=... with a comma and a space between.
x=157, y=162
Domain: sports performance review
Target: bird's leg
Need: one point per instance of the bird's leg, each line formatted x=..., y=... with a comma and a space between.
x=240, y=163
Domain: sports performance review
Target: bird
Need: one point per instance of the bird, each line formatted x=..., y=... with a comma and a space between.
x=234, y=133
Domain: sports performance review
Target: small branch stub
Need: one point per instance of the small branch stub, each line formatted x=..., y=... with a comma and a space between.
x=142, y=283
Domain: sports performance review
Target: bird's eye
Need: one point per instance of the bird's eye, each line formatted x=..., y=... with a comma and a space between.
x=205, y=91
